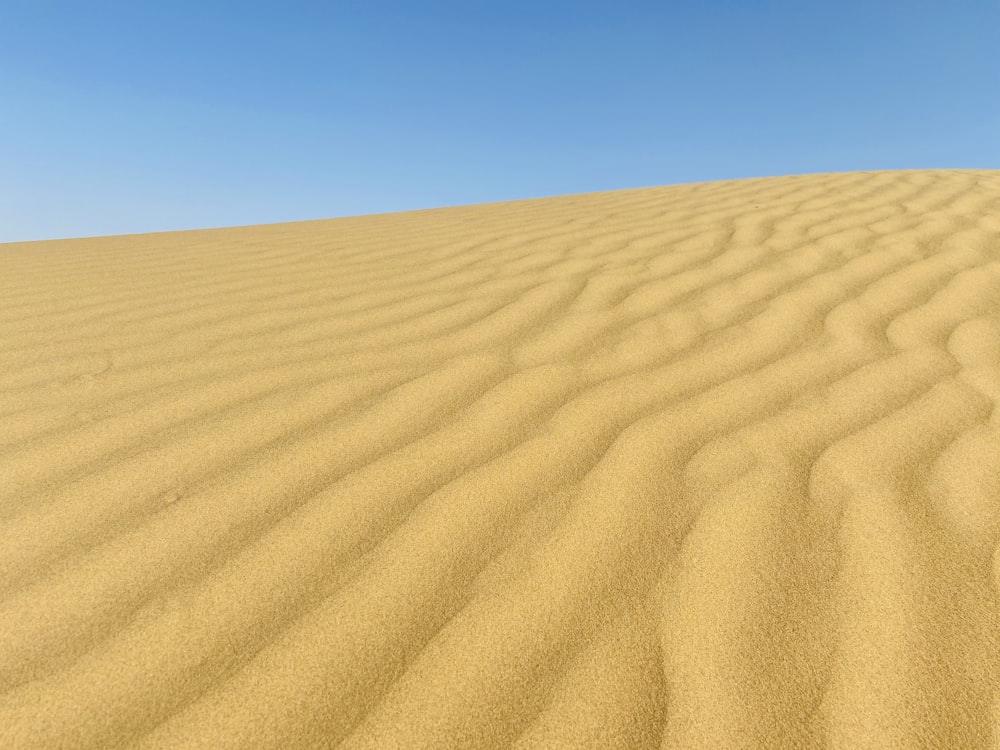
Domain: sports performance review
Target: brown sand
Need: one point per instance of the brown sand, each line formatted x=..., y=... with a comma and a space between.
x=703, y=466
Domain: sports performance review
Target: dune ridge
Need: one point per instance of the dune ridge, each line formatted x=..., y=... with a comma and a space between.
x=699, y=466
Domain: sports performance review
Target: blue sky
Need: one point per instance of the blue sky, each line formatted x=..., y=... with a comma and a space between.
x=120, y=117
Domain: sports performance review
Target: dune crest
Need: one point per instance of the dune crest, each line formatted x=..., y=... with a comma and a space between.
x=700, y=466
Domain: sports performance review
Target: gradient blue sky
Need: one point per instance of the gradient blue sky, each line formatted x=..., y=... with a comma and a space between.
x=120, y=117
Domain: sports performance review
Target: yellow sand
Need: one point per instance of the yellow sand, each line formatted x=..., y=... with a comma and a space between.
x=703, y=466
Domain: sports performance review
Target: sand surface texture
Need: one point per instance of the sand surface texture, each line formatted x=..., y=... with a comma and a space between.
x=702, y=466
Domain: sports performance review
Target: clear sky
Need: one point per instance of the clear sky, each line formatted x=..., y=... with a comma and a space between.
x=119, y=117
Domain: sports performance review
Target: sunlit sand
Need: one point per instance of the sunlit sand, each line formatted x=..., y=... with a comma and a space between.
x=702, y=466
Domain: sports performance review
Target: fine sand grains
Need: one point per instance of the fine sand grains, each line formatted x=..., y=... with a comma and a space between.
x=703, y=466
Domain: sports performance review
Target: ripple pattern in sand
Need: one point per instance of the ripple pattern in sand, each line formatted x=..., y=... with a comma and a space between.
x=702, y=466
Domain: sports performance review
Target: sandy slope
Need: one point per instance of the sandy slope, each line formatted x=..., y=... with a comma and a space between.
x=705, y=466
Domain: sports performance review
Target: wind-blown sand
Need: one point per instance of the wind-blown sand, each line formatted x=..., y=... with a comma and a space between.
x=702, y=466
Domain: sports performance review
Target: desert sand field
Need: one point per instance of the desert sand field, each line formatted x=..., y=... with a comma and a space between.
x=701, y=466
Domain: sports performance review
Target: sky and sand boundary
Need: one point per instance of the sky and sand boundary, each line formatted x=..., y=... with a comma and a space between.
x=302, y=223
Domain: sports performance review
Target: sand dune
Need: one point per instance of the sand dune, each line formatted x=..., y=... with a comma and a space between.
x=701, y=466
